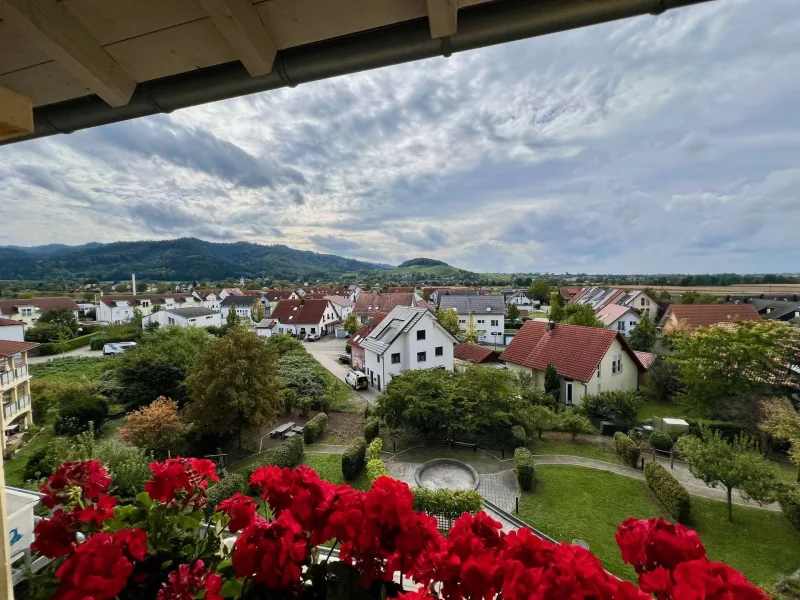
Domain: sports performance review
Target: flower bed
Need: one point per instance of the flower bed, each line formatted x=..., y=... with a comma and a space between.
x=160, y=548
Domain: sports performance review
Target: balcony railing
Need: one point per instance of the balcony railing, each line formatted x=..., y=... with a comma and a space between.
x=10, y=376
x=12, y=408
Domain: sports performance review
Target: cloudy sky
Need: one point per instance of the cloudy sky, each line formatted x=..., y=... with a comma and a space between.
x=658, y=144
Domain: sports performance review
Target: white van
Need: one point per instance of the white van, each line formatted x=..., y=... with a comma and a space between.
x=357, y=380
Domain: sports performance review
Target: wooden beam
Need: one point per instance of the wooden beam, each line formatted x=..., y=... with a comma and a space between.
x=443, y=17
x=50, y=26
x=239, y=22
x=16, y=114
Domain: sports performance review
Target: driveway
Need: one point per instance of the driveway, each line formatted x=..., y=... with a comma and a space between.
x=327, y=351
x=78, y=352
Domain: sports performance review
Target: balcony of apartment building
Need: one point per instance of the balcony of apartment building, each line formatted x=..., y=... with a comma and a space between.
x=15, y=392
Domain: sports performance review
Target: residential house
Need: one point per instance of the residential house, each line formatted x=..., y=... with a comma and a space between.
x=266, y=327
x=466, y=354
x=120, y=308
x=275, y=296
x=15, y=389
x=198, y=316
x=353, y=292
x=225, y=292
x=619, y=318
x=243, y=305
x=693, y=316
x=588, y=360
x=12, y=331
x=300, y=317
x=399, y=290
x=408, y=338
x=261, y=295
x=29, y=310
x=437, y=294
x=637, y=299
x=369, y=303
x=342, y=305
x=569, y=293
x=485, y=314
x=208, y=299
x=647, y=359
x=520, y=299
x=776, y=310
x=357, y=358
x=599, y=297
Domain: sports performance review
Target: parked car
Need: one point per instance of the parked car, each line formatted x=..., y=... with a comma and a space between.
x=357, y=380
x=344, y=359
x=312, y=337
x=117, y=348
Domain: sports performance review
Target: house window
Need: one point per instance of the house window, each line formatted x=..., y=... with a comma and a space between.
x=642, y=301
x=621, y=325
x=439, y=351
x=598, y=369
x=396, y=358
x=26, y=312
x=421, y=357
x=616, y=365
x=421, y=336
x=481, y=321
x=462, y=321
x=569, y=393
x=313, y=330
x=632, y=324
x=619, y=363
x=494, y=322
x=378, y=358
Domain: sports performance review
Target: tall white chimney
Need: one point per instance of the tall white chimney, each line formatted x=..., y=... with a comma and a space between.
x=133, y=283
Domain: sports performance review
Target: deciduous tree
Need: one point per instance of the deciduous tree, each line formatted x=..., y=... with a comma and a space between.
x=580, y=314
x=156, y=428
x=644, y=335
x=351, y=324
x=540, y=290
x=537, y=419
x=552, y=384
x=60, y=316
x=737, y=465
x=257, y=310
x=449, y=320
x=574, y=423
x=422, y=399
x=232, y=319
x=234, y=385
x=782, y=421
x=513, y=312
x=614, y=405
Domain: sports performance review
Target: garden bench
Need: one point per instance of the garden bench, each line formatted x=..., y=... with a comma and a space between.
x=281, y=429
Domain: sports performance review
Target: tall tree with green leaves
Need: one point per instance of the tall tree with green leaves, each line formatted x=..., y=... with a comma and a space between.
x=513, y=312
x=782, y=421
x=581, y=314
x=540, y=290
x=449, y=320
x=234, y=386
x=552, y=384
x=232, y=319
x=733, y=466
x=692, y=297
x=421, y=399
x=351, y=324
x=556, y=307
x=63, y=317
x=257, y=311
x=644, y=335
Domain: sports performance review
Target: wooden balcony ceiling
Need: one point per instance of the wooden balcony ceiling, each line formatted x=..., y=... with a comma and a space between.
x=51, y=51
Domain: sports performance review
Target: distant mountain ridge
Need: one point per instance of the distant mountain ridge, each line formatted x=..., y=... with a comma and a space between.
x=182, y=259
x=422, y=262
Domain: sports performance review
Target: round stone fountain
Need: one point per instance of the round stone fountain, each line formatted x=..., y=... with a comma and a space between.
x=446, y=474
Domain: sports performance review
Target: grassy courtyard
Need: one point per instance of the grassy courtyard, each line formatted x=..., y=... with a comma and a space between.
x=575, y=502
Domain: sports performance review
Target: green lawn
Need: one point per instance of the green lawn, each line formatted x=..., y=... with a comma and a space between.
x=574, y=502
x=654, y=408
x=583, y=447
x=329, y=467
x=15, y=467
x=71, y=368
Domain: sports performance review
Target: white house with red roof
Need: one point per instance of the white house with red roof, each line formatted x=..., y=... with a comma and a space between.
x=618, y=317
x=300, y=317
x=588, y=360
x=29, y=310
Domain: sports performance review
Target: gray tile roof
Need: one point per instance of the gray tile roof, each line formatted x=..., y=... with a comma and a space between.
x=188, y=313
x=478, y=305
x=400, y=320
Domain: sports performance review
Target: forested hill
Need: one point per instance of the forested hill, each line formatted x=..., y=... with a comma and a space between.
x=182, y=259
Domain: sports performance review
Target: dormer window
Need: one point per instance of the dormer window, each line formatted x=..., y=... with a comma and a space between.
x=488, y=309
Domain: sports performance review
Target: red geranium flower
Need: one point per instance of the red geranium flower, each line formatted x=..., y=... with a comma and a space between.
x=55, y=536
x=99, y=512
x=241, y=510
x=186, y=582
x=73, y=480
x=652, y=543
x=699, y=580
x=421, y=594
x=186, y=478
x=100, y=567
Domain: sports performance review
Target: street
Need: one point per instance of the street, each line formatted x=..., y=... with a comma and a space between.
x=327, y=351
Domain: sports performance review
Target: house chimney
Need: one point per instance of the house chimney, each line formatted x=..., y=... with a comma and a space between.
x=551, y=325
x=133, y=283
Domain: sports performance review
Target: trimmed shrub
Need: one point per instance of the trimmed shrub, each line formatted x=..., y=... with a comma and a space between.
x=376, y=468
x=75, y=416
x=372, y=429
x=661, y=441
x=518, y=436
x=627, y=449
x=789, y=499
x=672, y=495
x=353, y=459
x=727, y=429
x=304, y=407
x=449, y=504
x=524, y=469
x=314, y=428
x=374, y=449
x=224, y=489
x=288, y=454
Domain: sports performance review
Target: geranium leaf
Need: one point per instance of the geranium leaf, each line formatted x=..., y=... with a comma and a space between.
x=144, y=499
x=232, y=588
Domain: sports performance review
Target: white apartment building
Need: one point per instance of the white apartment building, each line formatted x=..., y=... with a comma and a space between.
x=485, y=314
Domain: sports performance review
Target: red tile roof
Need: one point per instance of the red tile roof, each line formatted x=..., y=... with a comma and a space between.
x=8, y=322
x=205, y=293
x=366, y=329
x=705, y=315
x=369, y=303
x=646, y=358
x=9, y=348
x=574, y=351
x=252, y=292
x=302, y=312
x=399, y=290
x=474, y=353
x=43, y=304
x=275, y=295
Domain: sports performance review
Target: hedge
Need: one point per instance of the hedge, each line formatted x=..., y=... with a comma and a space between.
x=74, y=417
x=288, y=454
x=65, y=346
x=376, y=468
x=518, y=436
x=661, y=441
x=627, y=449
x=524, y=469
x=101, y=340
x=449, y=504
x=225, y=488
x=789, y=499
x=353, y=459
x=669, y=492
x=727, y=429
x=374, y=449
x=314, y=428
x=372, y=429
